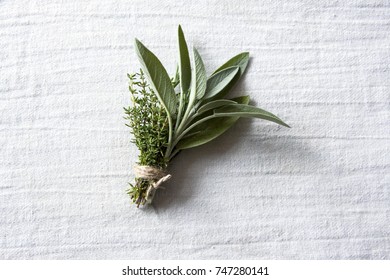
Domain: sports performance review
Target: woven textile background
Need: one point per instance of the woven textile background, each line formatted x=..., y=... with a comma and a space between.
x=317, y=191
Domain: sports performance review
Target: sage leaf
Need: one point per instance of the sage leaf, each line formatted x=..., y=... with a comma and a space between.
x=184, y=73
x=200, y=79
x=241, y=60
x=210, y=129
x=158, y=77
x=184, y=64
x=247, y=111
x=198, y=83
x=198, y=89
x=214, y=104
x=218, y=81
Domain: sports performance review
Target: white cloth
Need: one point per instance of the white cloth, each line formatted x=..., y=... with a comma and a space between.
x=317, y=191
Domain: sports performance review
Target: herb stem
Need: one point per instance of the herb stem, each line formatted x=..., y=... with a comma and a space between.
x=169, y=148
x=180, y=111
x=181, y=135
x=173, y=154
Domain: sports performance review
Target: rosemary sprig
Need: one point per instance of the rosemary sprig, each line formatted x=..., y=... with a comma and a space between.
x=164, y=122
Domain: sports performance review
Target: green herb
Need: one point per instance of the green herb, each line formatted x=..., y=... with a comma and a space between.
x=164, y=122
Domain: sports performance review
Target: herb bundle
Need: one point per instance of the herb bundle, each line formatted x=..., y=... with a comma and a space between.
x=169, y=115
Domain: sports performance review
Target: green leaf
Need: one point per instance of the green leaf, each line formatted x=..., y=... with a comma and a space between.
x=158, y=77
x=185, y=75
x=241, y=60
x=198, y=89
x=198, y=83
x=214, y=104
x=209, y=130
x=247, y=111
x=200, y=78
x=184, y=64
x=218, y=81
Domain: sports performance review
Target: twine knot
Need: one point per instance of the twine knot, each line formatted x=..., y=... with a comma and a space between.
x=159, y=176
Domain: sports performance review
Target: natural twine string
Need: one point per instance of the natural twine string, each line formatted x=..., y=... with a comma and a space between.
x=151, y=173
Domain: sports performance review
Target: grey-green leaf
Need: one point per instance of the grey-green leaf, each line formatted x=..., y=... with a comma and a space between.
x=200, y=78
x=247, y=111
x=215, y=104
x=157, y=76
x=241, y=60
x=218, y=81
x=210, y=129
x=184, y=64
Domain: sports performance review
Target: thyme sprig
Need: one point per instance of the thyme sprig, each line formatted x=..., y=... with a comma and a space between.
x=165, y=122
x=149, y=125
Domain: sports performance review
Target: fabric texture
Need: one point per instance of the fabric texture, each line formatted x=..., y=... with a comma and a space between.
x=319, y=190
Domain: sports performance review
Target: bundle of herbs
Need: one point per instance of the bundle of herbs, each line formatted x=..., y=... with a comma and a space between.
x=169, y=115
